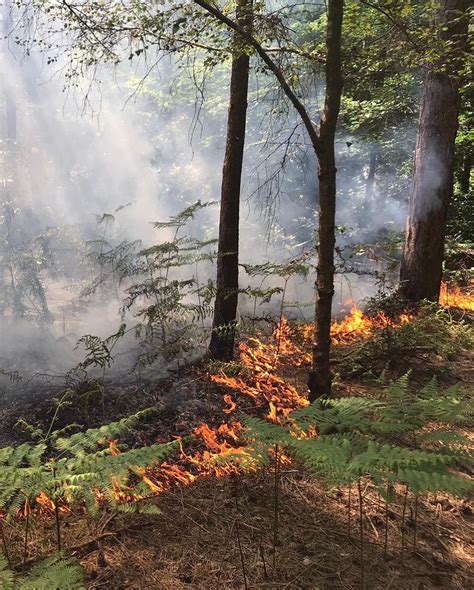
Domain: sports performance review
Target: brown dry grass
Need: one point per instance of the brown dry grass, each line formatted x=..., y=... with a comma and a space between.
x=194, y=544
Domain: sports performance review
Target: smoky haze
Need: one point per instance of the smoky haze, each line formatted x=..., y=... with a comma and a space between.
x=142, y=152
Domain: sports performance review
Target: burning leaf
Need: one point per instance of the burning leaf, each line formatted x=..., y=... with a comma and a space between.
x=231, y=404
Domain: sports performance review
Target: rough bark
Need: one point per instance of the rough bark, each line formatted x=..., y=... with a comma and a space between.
x=221, y=346
x=320, y=378
x=421, y=270
x=323, y=144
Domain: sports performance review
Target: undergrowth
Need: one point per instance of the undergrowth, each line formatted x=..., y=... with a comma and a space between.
x=54, y=573
x=430, y=341
x=404, y=437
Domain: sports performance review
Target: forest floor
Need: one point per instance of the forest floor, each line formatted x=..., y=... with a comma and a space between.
x=220, y=532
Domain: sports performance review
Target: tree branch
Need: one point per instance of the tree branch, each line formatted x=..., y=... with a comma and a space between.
x=272, y=66
x=395, y=23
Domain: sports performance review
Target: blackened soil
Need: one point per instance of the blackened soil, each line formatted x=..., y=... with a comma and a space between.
x=182, y=401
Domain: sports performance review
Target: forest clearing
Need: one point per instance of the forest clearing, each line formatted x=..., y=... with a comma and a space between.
x=236, y=295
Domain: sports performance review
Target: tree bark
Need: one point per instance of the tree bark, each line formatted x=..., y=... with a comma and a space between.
x=221, y=346
x=320, y=377
x=421, y=270
x=319, y=381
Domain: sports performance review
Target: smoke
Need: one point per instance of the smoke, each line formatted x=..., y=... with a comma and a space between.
x=141, y=156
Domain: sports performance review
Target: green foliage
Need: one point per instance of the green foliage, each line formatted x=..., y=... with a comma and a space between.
x=172, y=321
x=459, y=256
x=431, y=339
x=76, y=467
x=403, y=437
x=181, y=219
x=54, y=573
x=299, y=266
x=22, y=292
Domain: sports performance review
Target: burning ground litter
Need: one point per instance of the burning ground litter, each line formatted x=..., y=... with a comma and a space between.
x=267, y=381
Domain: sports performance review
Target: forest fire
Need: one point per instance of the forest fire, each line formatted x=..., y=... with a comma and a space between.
x=357, y=325
x=263, y=383
x=166, y=475
x=354, y=325
x=217, y=448
x=146, y=365
x=260, y=360
x=290, y=346
x=454, y=296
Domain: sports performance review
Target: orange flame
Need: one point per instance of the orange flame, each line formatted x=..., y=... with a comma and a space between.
x=453, y=296
x=354, y=325
x=272, y=414
x=46, y=504
x=230, y=403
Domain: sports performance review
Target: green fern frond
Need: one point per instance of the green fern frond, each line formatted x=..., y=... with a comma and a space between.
x=7, y=579
x=78, y=444
x=139, y=508
x=397, y=439
x=431, y=481
x=54, y=573
x=337, y=414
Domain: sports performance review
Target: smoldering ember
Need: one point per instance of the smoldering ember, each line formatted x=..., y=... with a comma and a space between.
x=236, y=295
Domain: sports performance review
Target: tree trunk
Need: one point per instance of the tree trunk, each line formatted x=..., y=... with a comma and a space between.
x=421, y=270
x=370, y=180
x=227, y=285
x=320, y=378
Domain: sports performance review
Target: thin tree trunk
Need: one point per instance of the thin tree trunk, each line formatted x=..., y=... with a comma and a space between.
x=421, y=270
x=320, y=378
x=323, y=143
x=227, y=285
x=370, y=180
x=465, y=172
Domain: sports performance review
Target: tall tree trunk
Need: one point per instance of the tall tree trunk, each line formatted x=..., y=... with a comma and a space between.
x=320, y=378
x=227, y=285
x=421, y=270
x=323, y=143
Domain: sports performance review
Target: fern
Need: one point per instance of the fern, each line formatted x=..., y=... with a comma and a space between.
x=341, y=414
x=79, y=444
x=7, y=579
x=401, y=437
x=77, y=467
x=179, y=220
x=54, y=573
